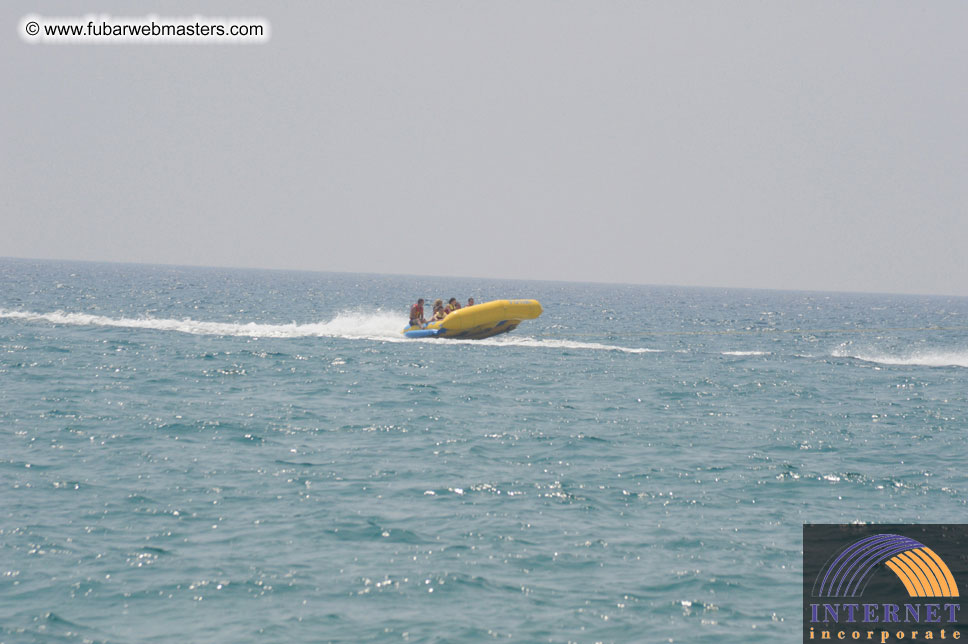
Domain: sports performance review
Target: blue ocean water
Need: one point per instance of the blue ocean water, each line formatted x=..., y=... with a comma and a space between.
x=218, y=455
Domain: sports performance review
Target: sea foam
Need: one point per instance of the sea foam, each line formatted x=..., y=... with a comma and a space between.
x=378, y=325
x=352, y=325
x=914, y=358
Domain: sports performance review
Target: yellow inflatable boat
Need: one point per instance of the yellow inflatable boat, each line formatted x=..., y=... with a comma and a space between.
x=479, y=321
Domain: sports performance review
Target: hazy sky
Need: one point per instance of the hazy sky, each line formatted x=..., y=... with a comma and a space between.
x=792, y=145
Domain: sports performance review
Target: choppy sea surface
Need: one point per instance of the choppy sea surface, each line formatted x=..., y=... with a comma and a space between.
x=219, y=455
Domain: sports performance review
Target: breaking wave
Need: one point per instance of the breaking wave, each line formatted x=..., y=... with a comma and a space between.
x=915, y=358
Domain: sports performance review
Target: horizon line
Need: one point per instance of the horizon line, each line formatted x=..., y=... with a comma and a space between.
x=472, y=277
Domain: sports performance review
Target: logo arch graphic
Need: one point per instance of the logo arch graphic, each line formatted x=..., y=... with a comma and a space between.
x=922, y=572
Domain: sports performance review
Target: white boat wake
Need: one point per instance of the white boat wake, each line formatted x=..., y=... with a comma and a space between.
x=352, y=325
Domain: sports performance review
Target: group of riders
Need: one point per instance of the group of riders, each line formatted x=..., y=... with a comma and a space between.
x=440, y=311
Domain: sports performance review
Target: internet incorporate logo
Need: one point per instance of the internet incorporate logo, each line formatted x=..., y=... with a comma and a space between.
x=918, y=567
x=910, y=592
